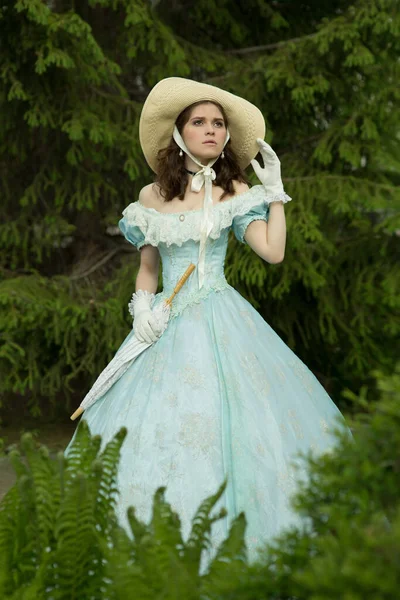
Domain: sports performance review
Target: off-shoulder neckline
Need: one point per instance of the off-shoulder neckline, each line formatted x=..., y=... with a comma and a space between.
x=196, y=210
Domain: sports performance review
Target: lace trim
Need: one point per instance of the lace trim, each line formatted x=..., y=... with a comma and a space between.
x=140, y=295
x=193, y=297
x=170, y=229
x=280, y=197
x=240, y=232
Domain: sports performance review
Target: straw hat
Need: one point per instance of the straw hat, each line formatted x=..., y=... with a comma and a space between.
x=170, y=96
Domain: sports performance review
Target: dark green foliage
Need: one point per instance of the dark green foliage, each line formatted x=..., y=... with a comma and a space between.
x=159, y=563
x=59, y=533
x=59, y=537
x=74, y=77
x=54, y=340
x=56, y=517
x=353, y=550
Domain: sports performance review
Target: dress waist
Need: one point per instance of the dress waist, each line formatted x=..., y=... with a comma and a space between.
x=190, y=293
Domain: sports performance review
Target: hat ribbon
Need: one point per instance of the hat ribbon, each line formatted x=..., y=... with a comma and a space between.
x=205, y=177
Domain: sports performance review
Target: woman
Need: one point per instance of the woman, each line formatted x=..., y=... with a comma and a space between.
x=218, y=394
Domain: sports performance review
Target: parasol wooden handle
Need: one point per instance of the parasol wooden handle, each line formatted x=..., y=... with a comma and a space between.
x=76, y=414
x=178, y=286
x=180, y=283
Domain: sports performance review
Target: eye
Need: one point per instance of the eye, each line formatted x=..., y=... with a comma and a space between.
x=197, y=121
x=219, y=123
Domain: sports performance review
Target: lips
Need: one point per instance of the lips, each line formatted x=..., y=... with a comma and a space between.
x=210, y=143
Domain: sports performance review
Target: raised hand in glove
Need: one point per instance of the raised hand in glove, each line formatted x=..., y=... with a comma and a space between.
x=145, y=324
x=270, y=174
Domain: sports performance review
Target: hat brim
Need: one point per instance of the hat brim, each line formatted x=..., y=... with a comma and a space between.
x=170, y=96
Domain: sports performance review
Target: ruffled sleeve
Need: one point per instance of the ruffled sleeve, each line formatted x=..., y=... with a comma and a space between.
x=131, y=229
x=260, y=212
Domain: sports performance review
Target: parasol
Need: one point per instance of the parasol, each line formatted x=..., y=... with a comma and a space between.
x=129, y=352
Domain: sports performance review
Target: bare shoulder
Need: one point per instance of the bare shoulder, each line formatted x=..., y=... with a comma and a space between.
x=240, y=187
x=150, y=196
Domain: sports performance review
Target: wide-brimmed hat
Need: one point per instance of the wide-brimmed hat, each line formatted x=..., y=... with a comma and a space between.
x=170, y=96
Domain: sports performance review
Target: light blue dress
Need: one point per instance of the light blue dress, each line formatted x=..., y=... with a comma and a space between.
x=219, y=394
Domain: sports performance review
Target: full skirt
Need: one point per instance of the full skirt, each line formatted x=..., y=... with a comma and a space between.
x=218, y=395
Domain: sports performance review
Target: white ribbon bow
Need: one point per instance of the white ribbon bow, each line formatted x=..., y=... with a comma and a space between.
x=206, y=173
x=205, y=177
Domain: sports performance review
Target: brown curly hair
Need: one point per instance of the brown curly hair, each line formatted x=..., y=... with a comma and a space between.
x=171, y=176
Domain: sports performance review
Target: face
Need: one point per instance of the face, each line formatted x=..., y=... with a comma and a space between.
x=205, y=132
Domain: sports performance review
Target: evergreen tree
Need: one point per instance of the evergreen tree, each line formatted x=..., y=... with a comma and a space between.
x=74, y=77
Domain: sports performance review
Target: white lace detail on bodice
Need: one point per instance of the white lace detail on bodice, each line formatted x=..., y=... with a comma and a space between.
x=177, y=228
x=193, y=297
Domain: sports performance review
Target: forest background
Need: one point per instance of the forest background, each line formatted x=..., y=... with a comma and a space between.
x=74, y=76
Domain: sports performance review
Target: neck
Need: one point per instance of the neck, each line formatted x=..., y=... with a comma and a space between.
x=191, y=165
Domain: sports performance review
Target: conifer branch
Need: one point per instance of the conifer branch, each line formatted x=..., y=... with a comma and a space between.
x=115, y=97
x=273, y=46
x=351, y=178
x=100, y=263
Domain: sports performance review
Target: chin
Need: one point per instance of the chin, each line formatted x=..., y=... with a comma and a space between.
x=209, y=154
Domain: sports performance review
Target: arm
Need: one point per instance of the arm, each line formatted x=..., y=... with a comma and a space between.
x=147, y=277
x=268, y=240
x=145, y=325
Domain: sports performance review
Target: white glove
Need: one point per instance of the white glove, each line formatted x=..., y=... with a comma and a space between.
x=270, y=175
x=145, y=324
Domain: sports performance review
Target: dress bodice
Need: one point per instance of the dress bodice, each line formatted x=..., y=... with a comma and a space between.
x=177, y=237
x=176, y=259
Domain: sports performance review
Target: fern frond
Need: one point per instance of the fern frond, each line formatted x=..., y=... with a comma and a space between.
x=230, y=562
x=199, y=537
x=107, y=491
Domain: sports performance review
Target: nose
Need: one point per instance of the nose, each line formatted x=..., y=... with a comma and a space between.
x=210, y=130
